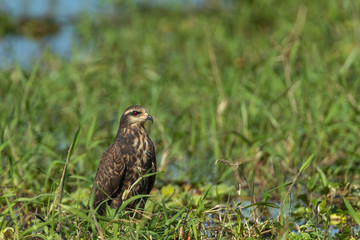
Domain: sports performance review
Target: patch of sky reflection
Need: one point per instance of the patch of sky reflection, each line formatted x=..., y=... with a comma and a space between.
x=24, y=51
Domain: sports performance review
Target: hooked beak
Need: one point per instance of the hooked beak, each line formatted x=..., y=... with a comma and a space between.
x=149, y=117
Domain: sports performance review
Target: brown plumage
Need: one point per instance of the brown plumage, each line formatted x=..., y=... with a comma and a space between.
x=131, y=156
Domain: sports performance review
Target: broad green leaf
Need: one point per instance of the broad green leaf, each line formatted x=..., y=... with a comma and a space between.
x=323, y=177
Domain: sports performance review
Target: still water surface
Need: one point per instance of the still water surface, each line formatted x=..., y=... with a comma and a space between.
x=15, y=48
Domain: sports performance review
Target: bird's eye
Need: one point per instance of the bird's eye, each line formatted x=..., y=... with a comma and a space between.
x=135, y=113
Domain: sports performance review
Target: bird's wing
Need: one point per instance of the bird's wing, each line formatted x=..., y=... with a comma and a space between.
x=153, y=156
x=153, y=166
x=109, y=176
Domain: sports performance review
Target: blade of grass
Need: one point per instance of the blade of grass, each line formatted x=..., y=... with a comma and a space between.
x=90, y=132
x=75, y=142
x=163, y=205
x=33, y=199
x=128, y=201
x=306, y=164
x=302, y=168
x=352, y=212
x=171, y=220
x=265, y=204
x=3, y=145
x=13, y=217
x=60, y=189
x=96, y=221
x=278, y=187
x=34, y=227
x=85, y=179
x=77, y=212
x=48, y=172
x=324, y=180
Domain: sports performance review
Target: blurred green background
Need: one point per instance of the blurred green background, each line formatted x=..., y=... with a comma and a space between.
x=224, y=81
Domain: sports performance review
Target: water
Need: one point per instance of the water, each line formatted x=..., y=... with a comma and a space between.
x=248, y=214
x=15, y=48
x=24, y=51
x=59, y=9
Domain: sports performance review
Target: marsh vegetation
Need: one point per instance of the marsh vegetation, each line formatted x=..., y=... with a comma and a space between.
x=256, y=123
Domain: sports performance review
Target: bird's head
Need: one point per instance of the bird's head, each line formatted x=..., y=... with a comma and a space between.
x=135, y=116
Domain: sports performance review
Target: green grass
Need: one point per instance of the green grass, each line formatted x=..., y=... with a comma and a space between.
x=263, y=83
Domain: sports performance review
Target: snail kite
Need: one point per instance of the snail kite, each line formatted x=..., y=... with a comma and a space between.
x=123, y=166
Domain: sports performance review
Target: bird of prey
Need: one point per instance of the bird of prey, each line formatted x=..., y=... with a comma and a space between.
x=123, y=166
